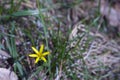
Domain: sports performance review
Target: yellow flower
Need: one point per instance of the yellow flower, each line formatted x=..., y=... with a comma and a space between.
x=39, y=54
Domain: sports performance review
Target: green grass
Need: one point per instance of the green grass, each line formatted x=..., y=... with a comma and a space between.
x=55, y=41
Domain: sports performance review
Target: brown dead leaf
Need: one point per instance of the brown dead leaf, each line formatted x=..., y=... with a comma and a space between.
x=6, y=74
x=111, y=12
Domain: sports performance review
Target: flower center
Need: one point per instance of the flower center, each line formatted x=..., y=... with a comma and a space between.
x=40, y=55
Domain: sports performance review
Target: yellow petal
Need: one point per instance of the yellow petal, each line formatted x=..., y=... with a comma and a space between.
x=37, y=59
x=43, y=59
x=46, y=53
x=36, y=51
x=41, y=48
x=33, y=55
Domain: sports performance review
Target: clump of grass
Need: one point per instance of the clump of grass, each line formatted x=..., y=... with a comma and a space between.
x=55, y=40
